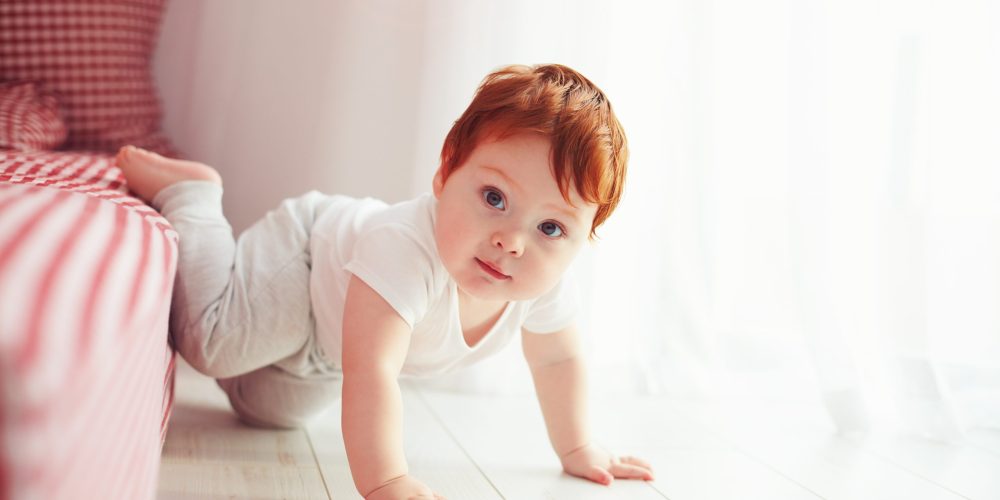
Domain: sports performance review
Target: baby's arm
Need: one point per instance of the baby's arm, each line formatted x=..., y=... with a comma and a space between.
x=375, y=342
x=561, y=385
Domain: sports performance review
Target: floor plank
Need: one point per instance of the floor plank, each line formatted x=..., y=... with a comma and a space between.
x=505, y=436
x=961, y=468
x=209, y=454
x=986, y=439
x=430, y=453
x=720, y=475
x=787, y=440
x=969, y=471
x=179, y=481
x=692, y=462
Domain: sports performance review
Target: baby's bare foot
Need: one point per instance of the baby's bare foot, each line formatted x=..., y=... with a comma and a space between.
x=146, y=173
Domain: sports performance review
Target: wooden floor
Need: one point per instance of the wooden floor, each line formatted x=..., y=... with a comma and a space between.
x=469, y=447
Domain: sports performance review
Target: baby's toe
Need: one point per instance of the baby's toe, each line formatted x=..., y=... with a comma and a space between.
x=120, y=158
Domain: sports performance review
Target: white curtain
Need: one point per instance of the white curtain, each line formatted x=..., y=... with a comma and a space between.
x=813, y=207
x=813, y=204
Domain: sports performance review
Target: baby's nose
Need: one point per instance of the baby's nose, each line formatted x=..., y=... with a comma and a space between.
x=511, y=242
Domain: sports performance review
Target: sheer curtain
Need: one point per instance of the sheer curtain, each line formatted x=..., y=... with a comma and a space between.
x=813, y=208
x=813, y=205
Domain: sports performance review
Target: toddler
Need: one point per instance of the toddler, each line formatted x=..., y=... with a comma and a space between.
x=329, y=296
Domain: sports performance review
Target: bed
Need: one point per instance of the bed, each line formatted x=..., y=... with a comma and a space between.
x=86, y=269
x=86, y=273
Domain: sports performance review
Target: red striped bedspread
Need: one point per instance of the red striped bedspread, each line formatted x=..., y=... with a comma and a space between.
x=86, y=373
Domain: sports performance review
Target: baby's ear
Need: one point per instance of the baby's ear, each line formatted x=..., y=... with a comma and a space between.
x=439, y=181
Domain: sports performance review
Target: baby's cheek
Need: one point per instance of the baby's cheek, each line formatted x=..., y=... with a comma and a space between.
x=450, y=244
x=454, y=232
x=546, y=278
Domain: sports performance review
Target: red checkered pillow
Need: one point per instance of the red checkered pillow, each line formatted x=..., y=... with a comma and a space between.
x=96, y=56
x=29, y=118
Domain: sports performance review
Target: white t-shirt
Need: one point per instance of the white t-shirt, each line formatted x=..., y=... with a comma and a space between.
x=392, y=249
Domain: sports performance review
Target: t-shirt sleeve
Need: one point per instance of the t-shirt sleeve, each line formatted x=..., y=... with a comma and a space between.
x=394, y=262
x=555, y=310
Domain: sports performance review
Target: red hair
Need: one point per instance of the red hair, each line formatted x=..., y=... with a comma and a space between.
x=589, y=150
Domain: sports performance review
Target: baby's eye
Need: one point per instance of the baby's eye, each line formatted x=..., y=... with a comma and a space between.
x=551, y=229
x=494, y=199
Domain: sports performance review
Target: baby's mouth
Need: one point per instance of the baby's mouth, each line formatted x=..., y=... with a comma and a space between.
x=491, y=270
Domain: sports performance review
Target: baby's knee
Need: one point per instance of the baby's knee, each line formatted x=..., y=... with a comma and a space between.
x=269, y=419
x=211, y=366
x=271, y=398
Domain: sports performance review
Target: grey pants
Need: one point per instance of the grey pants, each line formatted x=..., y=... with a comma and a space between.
x=241, y=310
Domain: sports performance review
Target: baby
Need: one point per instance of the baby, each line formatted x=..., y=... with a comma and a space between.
x=329, y=296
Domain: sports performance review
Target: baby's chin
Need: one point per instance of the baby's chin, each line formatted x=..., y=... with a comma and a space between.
x=499, y=291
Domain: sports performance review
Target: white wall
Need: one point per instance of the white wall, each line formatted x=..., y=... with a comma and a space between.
x=286, y=97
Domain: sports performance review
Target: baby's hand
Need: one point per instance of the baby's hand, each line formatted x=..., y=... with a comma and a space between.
x=403, y=488
x=596, y=464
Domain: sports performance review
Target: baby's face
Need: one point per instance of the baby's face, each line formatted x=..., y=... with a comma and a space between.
x=503, y=230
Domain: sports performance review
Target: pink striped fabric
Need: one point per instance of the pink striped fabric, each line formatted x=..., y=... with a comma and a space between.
x=86, y=373
x=95, y=54
x=29, y=118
